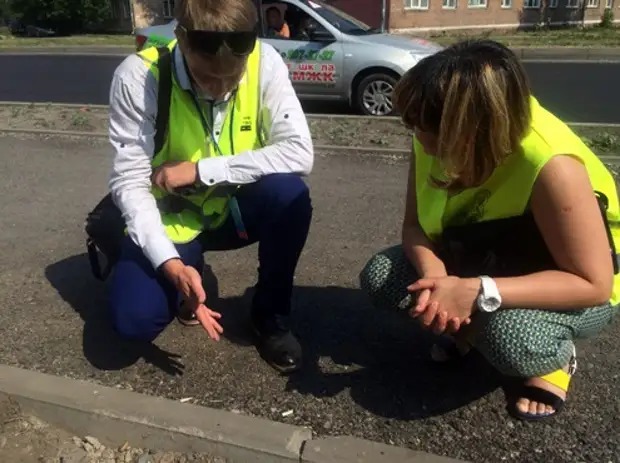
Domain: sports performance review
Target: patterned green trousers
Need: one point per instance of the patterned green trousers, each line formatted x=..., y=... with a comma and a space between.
x=517, y=342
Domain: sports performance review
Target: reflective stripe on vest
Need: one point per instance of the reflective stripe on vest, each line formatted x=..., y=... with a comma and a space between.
x=507, y=192
x=187, y=140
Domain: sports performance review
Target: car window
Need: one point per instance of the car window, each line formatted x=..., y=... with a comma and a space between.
x=339, y=19
x=285, y=21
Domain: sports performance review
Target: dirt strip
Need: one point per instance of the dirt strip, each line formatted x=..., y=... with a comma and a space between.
x=362, y=132
x=26, y=439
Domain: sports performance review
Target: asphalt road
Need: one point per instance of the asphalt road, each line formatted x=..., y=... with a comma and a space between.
x=576, y=92
x=366, y=371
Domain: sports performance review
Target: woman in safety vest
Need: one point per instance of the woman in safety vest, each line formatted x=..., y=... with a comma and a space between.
x=510, y=223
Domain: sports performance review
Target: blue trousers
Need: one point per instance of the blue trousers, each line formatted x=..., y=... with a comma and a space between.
x=276, y=211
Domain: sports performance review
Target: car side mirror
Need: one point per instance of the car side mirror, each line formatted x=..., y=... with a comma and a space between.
x=321, y=35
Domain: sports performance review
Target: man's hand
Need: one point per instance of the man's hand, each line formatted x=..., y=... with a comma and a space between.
x=177, y=174
x=449, y=305
x=189, y=283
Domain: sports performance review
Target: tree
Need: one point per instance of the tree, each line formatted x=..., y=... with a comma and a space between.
x=5, y=11
x=63, y=16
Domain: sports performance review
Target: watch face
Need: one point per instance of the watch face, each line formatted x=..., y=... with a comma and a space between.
x=488, y=304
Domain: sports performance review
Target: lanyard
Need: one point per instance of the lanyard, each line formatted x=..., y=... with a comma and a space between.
x=206, y=126
x=233, y=204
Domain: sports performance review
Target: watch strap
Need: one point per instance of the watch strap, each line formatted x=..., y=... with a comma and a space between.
x=489, y=298
x=489, y=288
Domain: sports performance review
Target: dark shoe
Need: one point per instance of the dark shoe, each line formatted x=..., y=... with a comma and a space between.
x=209, y=281
x=186, y=317
x=281, y=350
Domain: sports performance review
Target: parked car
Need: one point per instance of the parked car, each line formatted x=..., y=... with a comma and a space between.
x=331, y=55
x=19, y=29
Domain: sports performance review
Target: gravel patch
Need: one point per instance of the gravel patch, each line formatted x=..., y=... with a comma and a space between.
x=363, y=132
x=25, y=439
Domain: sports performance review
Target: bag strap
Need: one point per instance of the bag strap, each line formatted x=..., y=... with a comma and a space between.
x=603, y=203
x=93, y=258
x=164, y=64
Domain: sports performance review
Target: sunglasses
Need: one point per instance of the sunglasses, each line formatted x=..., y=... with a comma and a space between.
x=240, y=43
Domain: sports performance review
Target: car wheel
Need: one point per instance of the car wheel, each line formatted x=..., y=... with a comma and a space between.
x=374, y=95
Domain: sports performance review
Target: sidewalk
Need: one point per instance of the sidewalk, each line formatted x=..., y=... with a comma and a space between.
x=366, y=373
x=527, y=53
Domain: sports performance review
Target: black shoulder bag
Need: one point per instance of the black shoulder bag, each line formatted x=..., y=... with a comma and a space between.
x=105, y=226
x=505, y=247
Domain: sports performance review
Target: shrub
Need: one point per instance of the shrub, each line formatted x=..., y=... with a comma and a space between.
x=607, y=20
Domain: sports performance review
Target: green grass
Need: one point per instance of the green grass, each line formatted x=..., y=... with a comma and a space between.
x=93, y=40
x=594, y=36
x=604, y=144
x=602, y=140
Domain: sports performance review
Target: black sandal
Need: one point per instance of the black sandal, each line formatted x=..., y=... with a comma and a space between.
x=558, y=378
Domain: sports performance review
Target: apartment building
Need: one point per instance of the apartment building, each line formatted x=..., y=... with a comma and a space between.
x=416, y=15
x=435, y=15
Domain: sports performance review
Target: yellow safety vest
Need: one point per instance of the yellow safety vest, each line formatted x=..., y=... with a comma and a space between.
x=507, y=192
x=188, y=140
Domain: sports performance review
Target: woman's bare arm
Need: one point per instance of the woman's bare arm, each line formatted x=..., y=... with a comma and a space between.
x=417, y=246
x=569, y=219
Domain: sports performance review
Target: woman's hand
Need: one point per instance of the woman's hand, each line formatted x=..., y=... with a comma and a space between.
x=445, y=303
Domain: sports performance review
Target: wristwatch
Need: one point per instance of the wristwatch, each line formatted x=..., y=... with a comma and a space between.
x=489, y=299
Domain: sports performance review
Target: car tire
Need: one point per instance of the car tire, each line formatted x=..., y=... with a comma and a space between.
x=373, y=95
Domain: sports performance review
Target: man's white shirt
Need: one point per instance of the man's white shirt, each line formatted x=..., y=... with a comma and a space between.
x=133, y=109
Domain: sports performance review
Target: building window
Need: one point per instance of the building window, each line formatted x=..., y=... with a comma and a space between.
x=531, y=4
x=553, y=3
x=168, y=8
x=416, y=4
x=477, y=3
x=506, y=3
x=572, y=3
x=609, y=4
x=449, y=4
x=592, y=4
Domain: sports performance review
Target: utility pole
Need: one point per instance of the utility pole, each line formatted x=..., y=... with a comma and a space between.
x=383, y=15
x=132, y=15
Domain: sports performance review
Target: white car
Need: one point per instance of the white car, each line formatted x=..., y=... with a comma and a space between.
x=331, y=56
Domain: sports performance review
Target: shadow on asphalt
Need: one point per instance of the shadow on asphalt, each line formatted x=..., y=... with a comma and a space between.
x=380, y=357
x=102, y=346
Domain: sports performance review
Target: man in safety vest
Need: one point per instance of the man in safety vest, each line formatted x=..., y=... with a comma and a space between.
x=210, y=150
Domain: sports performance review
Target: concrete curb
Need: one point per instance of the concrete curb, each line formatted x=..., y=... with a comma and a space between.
x=115, y=416
x=525, y=53
x=395, y=119
x=568, y=53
